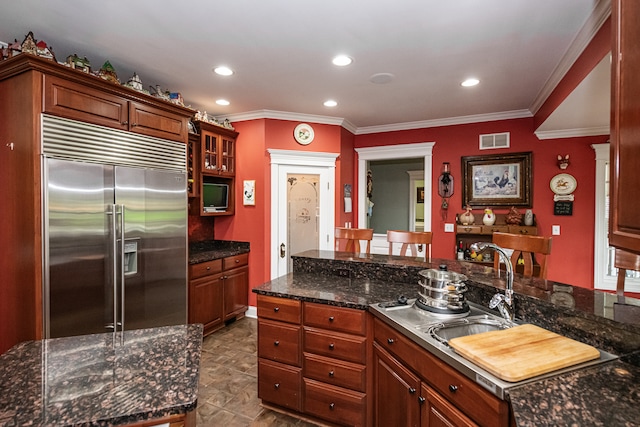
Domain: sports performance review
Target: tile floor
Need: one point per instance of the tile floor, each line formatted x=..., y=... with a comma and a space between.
x=228, y=390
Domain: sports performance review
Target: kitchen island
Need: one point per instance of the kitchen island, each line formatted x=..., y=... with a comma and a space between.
x=140, y=377
x=605, y=394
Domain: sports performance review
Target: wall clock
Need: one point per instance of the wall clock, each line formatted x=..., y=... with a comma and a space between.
x=303, y=133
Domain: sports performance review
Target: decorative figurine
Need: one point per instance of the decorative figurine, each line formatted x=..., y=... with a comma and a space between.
x=514, y=217
x=528, y=217
x=466, y=218
x=29, y=44
x=108, y=73
x=82, y=64
x=489, y=218
x=134, y=83
x=563, y=162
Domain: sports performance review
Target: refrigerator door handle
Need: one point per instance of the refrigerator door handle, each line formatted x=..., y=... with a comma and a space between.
x=112, y=210
x=121, y=276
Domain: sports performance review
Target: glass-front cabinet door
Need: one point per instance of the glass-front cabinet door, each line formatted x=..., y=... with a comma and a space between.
x=210, y=160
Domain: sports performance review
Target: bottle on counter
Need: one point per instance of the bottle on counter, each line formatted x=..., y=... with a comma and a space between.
x=467, y=253
x=460, y=251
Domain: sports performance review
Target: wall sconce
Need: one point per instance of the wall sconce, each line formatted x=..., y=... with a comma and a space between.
x=445, y=185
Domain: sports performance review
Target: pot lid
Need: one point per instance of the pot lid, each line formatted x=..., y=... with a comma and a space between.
x=443, y=274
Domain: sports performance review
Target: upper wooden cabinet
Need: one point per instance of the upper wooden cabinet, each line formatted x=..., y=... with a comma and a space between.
x=624, y=225
x=75, y=100
x=217, y=150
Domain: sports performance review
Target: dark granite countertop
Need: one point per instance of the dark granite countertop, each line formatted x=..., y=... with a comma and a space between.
x=97, y=380
x=215, y=249
x=602, y=395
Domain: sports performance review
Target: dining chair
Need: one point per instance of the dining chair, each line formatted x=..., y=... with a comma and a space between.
x=533, y=250
x=351, y=238
x=623, y=312
x=412, y=242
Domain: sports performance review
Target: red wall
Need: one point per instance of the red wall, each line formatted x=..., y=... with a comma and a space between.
x=572, y=252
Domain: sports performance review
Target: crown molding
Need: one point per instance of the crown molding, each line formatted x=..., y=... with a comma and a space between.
x=294, y=117
x=601, y=12
x=572, y=133
x=450, y=121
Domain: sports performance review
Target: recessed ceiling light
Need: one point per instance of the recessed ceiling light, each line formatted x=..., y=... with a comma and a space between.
x=342, y=60
x=223, y=71
x=330, y=103
x=222, y=102
x=470, y=82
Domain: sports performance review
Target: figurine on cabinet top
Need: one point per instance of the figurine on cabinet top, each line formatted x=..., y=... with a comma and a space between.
x=108, y=73
x=466, y=218
x=489, y=217
x=82, y=64
x=134, y=82
x=514, y=217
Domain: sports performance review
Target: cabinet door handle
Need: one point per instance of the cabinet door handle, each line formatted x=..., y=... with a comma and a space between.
x=390, y=340
x=332, y=406
x=421, y=400
x=331, y=374
x=208, y=268
x=276, y=343
x=276, y=309
x=276, y=386
x=237, y=261
x=134, y=125
x=331, y=346
x=453, y=388
x=126, y=122
x=331, y=319
x=412, y=390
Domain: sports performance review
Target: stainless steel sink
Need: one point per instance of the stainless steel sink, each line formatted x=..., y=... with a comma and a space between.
x=432, y=332
x=472, y=325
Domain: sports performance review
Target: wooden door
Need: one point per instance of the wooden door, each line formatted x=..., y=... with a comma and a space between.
x=438, y=412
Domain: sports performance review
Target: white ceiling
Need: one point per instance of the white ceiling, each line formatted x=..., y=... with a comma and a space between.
x=281, y=51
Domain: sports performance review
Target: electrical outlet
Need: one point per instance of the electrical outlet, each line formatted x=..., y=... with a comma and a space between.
x=555, y=230
x=448, y=228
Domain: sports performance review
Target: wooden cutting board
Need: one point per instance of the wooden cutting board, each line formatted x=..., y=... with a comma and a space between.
x=522, y=352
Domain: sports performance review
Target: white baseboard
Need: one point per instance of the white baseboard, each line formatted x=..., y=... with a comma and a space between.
x=252, y=312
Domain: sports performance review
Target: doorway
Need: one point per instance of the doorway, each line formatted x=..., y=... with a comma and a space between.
x=403, y=151
x=302, y=205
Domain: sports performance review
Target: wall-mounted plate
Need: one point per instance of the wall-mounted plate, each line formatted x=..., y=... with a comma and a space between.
x=303, y=133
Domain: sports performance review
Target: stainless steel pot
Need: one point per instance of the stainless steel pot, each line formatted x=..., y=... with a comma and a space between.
x=442, y=290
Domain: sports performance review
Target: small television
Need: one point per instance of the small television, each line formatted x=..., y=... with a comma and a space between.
x=215, y=197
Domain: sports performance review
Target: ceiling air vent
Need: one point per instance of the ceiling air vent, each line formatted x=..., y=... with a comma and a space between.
x=494, y=140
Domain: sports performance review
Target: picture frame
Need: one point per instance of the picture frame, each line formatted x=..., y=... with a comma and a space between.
x=497, y=180
x=420, y=195
x=249, y=192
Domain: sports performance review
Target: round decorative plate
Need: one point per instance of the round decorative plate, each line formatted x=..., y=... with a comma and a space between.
x=563, y=183
x=303, y=133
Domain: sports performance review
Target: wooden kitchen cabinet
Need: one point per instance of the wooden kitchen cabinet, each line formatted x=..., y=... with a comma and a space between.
x=624, y=223
x=328, y=347
x=451, y=399
x=78, y=101
x=218, y=291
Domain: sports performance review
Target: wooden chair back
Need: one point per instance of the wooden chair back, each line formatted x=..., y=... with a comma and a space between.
x=623, y=312
x=352, y=237
x=529, y=247
x=411, y=241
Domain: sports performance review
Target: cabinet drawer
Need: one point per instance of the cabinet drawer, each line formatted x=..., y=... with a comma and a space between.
x=469, y=229
x=280, y=384
x=334, y=404
x=395, y=343
x=339, y=319
x=279, y=342
x=205, y=269
x=148, y=120
x=490, y=229
x=523, y=229
x=281, y=309
x=235, y=261
x=334, y=371
x=341, y=346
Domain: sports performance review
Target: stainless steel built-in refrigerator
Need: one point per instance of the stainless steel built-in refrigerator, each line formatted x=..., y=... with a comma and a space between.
x=115, y=227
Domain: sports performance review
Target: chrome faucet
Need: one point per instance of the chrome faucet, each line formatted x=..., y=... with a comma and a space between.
x=504, y=303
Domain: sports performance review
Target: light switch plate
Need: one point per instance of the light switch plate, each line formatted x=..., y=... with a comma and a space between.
x=555, y=230
x=448, y=228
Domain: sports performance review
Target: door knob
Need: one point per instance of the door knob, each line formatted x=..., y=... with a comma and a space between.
x=283, y=249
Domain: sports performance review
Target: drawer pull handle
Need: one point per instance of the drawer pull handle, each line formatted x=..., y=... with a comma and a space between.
x=331, y=346
x=331, y=319
x=332, y=406
x=126, y=122
x=331, y=373
x=453, y=388
x=276, y=386
x=208, y=268
x=412, y=390
x=276, y=343
x=390, y=340
x=237, y=261
x=421, y=400
x=134, y=125
x=276, y=309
